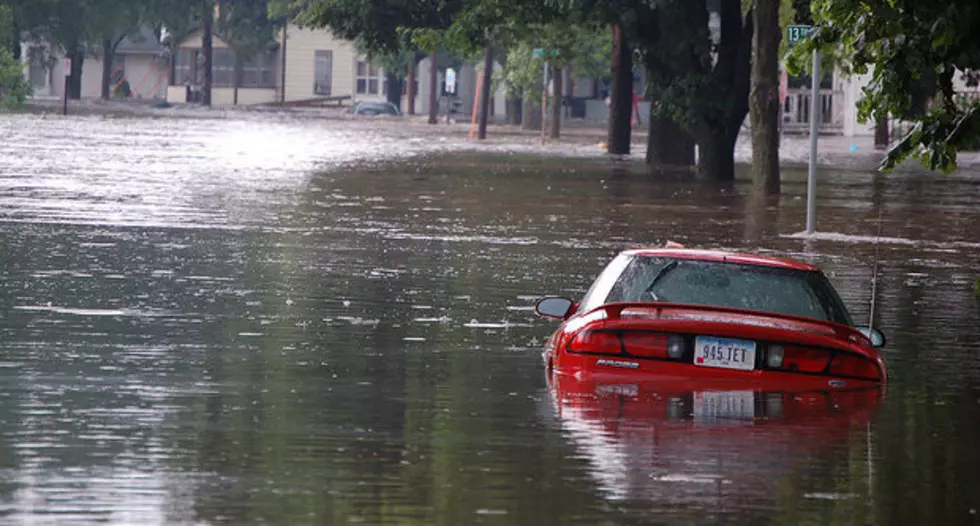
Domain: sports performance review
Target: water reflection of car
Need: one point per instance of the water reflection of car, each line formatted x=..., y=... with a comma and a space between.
x=702, y=442
x=372, y=108
x=712, y=314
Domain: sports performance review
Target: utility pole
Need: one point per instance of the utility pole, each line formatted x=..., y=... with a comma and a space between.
x=64, y=97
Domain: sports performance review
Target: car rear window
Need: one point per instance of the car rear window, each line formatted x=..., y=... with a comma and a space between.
x=753, y=287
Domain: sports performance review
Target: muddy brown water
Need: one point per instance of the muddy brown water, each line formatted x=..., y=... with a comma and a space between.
x=268, y=322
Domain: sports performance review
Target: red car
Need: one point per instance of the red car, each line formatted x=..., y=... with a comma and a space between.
x=681, y=313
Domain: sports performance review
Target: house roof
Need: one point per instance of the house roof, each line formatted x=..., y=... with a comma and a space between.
x=144, y=42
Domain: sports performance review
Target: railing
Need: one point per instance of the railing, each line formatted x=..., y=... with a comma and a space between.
x=796, y=111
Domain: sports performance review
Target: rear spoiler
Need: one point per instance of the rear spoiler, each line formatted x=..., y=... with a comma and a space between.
x=615, y=310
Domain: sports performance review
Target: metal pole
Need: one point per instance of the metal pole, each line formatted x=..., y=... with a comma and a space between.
x=811, y=182
x=544, y=98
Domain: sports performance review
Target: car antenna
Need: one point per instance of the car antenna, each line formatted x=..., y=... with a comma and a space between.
x=874, y=272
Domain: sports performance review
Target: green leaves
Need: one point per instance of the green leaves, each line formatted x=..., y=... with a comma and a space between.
x=912, y=50
x=13, y=87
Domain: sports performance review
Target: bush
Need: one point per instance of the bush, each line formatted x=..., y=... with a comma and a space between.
x=13, y=86
x=123, y=91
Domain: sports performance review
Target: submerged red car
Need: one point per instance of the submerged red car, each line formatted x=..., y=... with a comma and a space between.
x=680, y=313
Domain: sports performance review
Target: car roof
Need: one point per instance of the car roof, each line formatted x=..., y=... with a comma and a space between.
x=723, y=256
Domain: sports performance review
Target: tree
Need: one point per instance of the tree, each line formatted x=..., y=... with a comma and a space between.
x=621, y=95
x=583, y=48
x=207, y=48
x=901, y=43
x=764, y=98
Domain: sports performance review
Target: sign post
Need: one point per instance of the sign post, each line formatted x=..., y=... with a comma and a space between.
x=64, y=98
x=450, y=91
x=795, y=34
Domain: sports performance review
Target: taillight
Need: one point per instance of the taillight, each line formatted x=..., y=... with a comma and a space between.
x=649, y=345
x=854, y=366
x=804, y=360
x=596, y=341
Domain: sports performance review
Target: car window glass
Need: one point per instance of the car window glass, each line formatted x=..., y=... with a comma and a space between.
x=752, y=287
x=599, y=291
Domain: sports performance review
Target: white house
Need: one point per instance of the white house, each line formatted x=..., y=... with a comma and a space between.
x=139, y=60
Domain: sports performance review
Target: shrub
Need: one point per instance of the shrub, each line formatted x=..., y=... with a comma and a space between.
x=13, y=86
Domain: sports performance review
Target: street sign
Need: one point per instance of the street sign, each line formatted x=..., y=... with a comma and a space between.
x=539, y=52
x=795, y=34
x=67, y=67
x=450, y=80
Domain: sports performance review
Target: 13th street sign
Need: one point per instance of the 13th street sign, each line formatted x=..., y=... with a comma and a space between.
x=794, y=34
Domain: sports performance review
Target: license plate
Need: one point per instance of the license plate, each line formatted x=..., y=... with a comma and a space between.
x=725, y=353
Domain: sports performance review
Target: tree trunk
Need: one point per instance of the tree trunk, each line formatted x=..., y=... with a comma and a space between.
x=716, y=136
x=670, y=150
x=107, y=53
x=75, y=80
x=410, y=86
x=531, y=111
x=433, y=88
x=556, y=84
x=881, y=133
x=621, y=95
x=764, y=98
x=716, y=159
x=15, y=37
x=394, y=90
x=485, y=93
x=513, y=108
x=208, y=48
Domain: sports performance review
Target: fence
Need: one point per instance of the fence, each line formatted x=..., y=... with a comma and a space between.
x=796, y=111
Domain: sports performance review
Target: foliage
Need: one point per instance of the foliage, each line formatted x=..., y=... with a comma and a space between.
x=8, y=29
x=123, y=89
x=976, y=288
x=13, y=86
x=902, y=44
x=584, y=47
x=377, y=25
x=247, y=27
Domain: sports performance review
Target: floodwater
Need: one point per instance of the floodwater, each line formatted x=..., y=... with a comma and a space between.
x=261, y=321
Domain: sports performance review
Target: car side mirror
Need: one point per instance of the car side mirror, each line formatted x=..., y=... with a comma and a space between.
x=877, y=337
x=553, y=307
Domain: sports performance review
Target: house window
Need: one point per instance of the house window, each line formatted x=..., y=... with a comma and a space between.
x=259, y=71
x=323, y=72
x=223, y=71
x=38, y=74
x=184, y=72
x=367, y=78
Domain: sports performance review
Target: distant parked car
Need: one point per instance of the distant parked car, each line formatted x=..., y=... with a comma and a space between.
x=374, y=108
